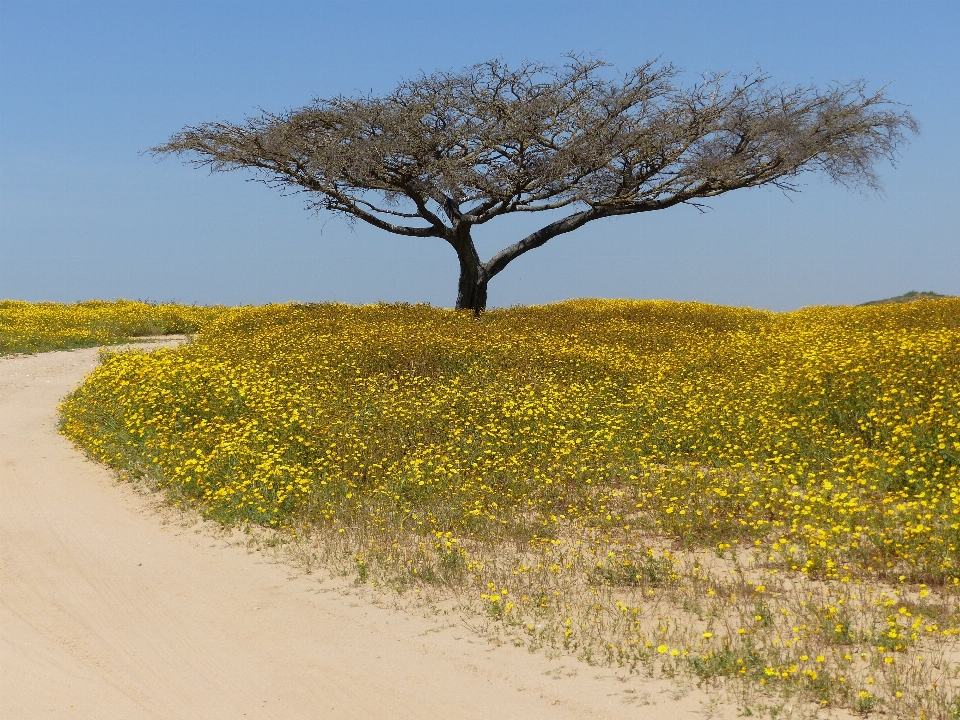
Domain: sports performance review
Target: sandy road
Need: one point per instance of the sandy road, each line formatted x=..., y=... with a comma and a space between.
x=107, y=613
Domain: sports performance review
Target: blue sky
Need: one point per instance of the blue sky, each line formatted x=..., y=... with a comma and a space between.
x=86, y=87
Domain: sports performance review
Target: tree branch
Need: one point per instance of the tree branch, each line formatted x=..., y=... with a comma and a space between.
x=534, y=240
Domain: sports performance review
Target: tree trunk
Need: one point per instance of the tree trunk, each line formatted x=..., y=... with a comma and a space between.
x=472, y=288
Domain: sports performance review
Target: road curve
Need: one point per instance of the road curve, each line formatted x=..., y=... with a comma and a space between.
x=107, y=613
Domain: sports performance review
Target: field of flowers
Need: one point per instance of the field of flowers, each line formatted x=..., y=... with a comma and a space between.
x=37, y=327
x=673, y=488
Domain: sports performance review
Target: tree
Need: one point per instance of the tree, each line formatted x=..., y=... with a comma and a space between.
x=446, y=152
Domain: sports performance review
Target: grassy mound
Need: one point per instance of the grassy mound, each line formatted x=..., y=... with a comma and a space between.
x=38, y=327
x=668, y=486
x=911, y=296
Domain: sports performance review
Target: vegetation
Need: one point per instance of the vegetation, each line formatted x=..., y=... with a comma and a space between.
x=675, y=488
x=447, y=152
x=909, y=297
x=38, y=327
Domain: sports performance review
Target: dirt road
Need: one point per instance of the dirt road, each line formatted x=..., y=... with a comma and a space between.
x=107, y=613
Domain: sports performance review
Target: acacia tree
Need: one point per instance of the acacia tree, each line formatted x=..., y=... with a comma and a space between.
x=446, y=152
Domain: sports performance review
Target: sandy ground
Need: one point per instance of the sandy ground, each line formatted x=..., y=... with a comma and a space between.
x=108, y=612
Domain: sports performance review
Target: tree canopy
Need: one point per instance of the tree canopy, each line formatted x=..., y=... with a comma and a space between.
x=445, y=152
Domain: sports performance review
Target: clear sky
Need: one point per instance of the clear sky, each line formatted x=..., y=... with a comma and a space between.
x=86, y=87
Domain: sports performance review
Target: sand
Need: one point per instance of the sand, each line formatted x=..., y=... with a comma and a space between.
x=110, y=610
